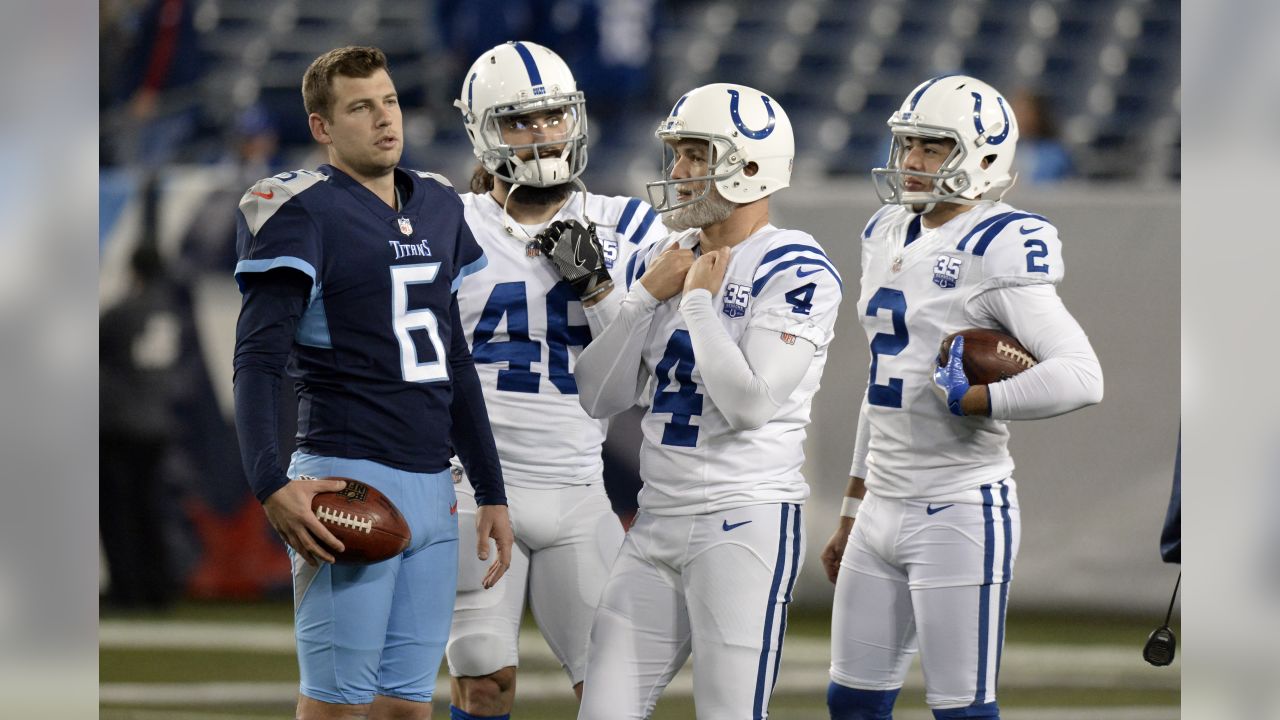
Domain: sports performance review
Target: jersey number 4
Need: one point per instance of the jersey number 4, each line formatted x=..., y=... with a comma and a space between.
x=519, y=352
x=683, y=404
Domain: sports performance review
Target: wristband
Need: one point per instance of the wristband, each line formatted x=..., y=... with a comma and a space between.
x=849, y=508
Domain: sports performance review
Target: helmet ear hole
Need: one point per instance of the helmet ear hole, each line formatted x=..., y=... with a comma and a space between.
x=988, y=160
x=750, y=169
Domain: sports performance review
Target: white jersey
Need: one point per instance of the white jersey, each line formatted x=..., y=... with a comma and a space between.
x=913, y=297
x=526, y=327
x=691, y=460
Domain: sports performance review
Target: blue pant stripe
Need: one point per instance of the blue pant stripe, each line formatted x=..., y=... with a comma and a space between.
x=791, y=584
x=1007, y=520
x=758, y=709
x=984, y=598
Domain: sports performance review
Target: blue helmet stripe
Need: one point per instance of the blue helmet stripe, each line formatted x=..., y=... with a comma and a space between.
x=535, y=77
x=916, y=98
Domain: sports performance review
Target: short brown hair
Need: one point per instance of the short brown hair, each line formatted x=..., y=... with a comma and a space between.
x=351, y=61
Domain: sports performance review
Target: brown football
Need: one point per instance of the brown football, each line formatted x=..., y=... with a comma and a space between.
x=370, y=527
x=989, y=355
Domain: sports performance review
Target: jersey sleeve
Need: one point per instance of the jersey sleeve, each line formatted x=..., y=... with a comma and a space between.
x=638, y=225
x=628, y=227
x=640, y=260
x=1017, y=249
x=275, y=230
x=796, y=290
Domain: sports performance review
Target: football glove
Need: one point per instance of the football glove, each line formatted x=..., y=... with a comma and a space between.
x=950, y=380
x=577, y=254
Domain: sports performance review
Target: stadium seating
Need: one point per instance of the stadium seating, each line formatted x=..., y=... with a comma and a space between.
x=1108, y=69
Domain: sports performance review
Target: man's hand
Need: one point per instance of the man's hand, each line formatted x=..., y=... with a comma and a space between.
x=707, y=272
x=492, y=521
x=834, y=551
x=665, y=277
x=577, y=254
x=289, y=512
x=954, y=388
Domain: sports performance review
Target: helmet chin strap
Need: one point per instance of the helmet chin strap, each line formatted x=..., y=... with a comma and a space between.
x=509, y=223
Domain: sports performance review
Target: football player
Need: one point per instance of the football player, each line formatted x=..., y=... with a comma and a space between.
x=555, y=255
x=928, y=563
x=348, y=274
x=724, y=332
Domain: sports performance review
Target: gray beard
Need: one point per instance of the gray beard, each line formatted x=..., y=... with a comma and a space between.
x=712, y=209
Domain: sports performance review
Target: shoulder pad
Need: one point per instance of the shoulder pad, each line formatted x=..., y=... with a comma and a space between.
x=979, y=239
x=798, y=250
x=267, y=196
x=433, y=176
x=636, y=218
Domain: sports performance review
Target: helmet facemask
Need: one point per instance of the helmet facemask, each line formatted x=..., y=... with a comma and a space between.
x=549, y=162
x=723, y=162
x=948, y=184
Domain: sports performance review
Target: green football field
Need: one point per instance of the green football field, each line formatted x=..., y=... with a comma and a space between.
x=222, y=661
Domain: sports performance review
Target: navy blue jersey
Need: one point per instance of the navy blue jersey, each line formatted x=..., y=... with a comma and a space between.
x=369, y=358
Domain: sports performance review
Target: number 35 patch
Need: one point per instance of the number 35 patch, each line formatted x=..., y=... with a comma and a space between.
x=736, y=298
x=946, y=271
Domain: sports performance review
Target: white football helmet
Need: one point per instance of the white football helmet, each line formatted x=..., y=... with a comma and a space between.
x=979, y=120
x=742, y=125
x=509, y=82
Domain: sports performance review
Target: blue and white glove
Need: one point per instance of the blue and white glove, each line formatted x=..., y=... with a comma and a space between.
x=950, y=380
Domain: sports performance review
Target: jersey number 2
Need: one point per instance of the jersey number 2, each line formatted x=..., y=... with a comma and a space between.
x=890, y=394
x=404, y=321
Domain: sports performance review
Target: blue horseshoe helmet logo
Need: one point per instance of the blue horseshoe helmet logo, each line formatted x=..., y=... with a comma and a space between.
x=977, y=119
x=760, y=134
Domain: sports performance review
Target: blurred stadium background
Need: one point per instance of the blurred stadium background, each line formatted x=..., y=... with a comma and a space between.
x=199, y=98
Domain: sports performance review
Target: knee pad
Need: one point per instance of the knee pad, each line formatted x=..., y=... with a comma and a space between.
x=988, y=711
x=846, y=703
x=476, y=655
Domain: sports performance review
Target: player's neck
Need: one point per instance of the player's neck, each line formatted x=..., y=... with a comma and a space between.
x=740, y=225
x=523, y=213
x=384, y=185
x=942, y=214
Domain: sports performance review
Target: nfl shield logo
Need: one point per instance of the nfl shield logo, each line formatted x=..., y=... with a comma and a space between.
x=405, y=226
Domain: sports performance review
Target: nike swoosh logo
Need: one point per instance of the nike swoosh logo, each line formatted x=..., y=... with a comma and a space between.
x=801, y=273
x=931, y=509
x=1025, y=231
x=453, y=509
x=263, y=195
x=727, y=527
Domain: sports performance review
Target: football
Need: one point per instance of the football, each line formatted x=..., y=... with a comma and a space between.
x=370, y=527
x=989, y=355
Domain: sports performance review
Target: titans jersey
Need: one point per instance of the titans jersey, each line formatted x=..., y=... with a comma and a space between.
x=369, y=358
x=526, y=328
x=912, y=297
x=691, y=460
